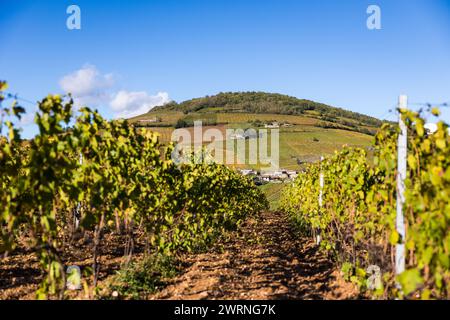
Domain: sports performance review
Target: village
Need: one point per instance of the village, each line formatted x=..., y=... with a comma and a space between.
x=263, y=177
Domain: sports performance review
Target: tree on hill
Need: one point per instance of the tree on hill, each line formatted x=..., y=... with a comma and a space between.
x=273, y=103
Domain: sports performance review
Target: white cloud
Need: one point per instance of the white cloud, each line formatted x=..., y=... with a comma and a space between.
x=87, y=85
x=128, y=104
x=91, y=88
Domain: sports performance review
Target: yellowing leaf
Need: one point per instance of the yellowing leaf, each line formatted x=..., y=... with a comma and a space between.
x=435, y=111
x=412, y=161
x=394, y=237
x=420, y=128
x=441, y=143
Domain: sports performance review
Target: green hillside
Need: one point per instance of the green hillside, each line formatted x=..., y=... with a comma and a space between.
x=209, y=109
x=308, y=129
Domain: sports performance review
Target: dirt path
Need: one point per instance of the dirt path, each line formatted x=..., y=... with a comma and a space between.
x=265, y=259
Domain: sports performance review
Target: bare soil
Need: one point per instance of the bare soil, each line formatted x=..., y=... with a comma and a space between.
x=20, y=273
x=264, y=259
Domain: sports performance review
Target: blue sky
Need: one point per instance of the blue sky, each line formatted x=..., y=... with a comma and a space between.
x=130, y=55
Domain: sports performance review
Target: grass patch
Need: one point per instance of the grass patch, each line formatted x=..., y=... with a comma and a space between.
x=141, y=278
x=273, y=194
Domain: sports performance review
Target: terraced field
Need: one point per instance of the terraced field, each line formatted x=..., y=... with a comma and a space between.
x=300, y=143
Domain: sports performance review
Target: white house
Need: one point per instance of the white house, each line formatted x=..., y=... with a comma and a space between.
x=246, y=172
x=237, y=136
x=273, y=125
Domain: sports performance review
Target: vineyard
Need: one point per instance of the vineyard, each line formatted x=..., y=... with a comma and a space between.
x=87, y=177
x=88, y=185
x=348, y=203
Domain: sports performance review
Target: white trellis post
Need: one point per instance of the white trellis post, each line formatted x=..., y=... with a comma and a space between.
x=401, y=176
x=78, y=210
x=321, y=184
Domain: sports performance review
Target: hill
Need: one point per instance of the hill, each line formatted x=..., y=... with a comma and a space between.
x=209, y=109
x=308, y=129
x=269, y=103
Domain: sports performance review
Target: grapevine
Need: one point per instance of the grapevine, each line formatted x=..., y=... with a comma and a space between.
x=357, y=221
x=109, y=175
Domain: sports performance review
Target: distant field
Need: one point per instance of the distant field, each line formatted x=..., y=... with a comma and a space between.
x=167, y=117
x=310, y=145
x=246, y=117
x=273, y=192
x=302, y=143
x=165, y=133
x=171, y=117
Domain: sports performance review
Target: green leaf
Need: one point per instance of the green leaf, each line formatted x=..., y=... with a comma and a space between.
x=410, y=280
